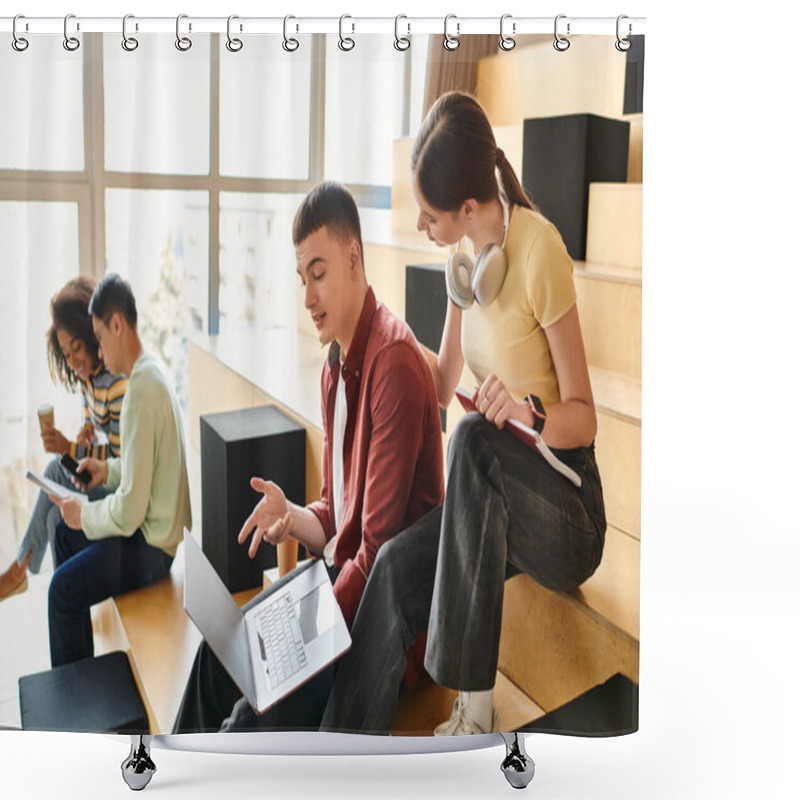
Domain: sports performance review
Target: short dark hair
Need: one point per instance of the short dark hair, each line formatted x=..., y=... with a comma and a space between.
x=69, y=311
x=113, y=294
x=331, y=205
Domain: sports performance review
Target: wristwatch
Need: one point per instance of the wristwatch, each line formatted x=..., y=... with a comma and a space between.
x=537, y=409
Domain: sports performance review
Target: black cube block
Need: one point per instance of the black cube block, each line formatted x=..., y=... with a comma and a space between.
x=234, y=447
x=95, y=695
x=608, y=709
x=634, y=77
x=561, y=156
x=426, y=307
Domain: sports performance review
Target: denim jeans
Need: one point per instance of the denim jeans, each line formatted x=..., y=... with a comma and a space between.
x=87, y=572
x=46, y=515
x=505, y=511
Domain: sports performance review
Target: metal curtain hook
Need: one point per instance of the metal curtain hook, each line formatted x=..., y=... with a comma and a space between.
x=289, y=44
x=507, y=42
x=70, y=42
x=183, y=43
x=401, y=42
x=561, y=44
x=234, y=45
x=129, y=43
x=623, y=43
x=345, y=42
x=451, y=42
x=19, y=43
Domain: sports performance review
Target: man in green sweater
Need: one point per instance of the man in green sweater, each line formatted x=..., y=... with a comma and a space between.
x=129, y=538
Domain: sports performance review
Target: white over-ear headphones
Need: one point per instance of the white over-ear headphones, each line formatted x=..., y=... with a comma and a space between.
x=482, y=281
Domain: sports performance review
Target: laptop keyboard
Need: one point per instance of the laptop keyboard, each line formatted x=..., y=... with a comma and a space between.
x=281, y=642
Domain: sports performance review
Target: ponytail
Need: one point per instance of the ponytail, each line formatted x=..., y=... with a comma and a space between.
x=455, y=156
x=511, y=185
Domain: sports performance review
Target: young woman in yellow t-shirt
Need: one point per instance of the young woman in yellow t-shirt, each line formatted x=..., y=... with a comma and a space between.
x=506, y=509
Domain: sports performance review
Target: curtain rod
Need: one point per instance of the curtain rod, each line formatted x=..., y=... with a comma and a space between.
x=351, y=25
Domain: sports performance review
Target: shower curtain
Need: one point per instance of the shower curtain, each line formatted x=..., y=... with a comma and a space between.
x=181, y=168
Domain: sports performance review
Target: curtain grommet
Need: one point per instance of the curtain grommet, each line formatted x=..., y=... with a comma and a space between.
x=129, y=43
x=346, y=43
x=234, y=45
x=449, y=42
x=183, y=43
x=507, y=42
x=71, y=43
x=289, y=44
x=560, y=43
x=19, y=43
x=623, y=43
x=401, y=43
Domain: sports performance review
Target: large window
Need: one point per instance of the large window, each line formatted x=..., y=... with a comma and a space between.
x=158, y=241
x=30, y=116
x=182, y=172
x=265, y=111
x=156, y=106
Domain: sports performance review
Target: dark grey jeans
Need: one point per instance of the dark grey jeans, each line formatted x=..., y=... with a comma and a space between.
x=505, y=511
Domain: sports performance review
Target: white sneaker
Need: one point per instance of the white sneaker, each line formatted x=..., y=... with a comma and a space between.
x=461, y=723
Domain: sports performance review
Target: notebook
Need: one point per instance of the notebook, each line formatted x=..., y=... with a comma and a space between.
x=53, y=488
x=526, y=435
x=282, y=638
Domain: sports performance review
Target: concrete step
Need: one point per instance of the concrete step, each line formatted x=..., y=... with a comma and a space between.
x=614, y=234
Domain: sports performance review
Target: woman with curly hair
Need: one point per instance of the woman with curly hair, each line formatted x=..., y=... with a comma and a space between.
x=74, y=362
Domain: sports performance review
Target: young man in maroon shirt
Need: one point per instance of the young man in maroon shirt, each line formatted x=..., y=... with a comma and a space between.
x=382, y=465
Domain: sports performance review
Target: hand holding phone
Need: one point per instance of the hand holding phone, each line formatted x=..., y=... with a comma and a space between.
x=71, y=465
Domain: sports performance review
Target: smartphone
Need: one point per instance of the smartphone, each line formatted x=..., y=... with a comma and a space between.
x=71, y=465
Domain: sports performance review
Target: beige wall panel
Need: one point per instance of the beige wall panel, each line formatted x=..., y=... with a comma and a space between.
x=619, y=459
x=537, y=81
x=613, y=590
x=614, y=234
x=611, y=321
x=509, y=139
x=231, y=391
x=212, y=388
x=554, y=649
x=635, y=151
x=404, y=209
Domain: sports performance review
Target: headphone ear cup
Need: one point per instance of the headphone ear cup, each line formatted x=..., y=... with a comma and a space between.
x=489, y=274
x=458, y=274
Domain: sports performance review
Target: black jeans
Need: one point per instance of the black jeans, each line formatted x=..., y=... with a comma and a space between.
x=505, y=511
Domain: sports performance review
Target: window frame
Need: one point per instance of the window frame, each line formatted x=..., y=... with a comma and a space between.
x=88, y=187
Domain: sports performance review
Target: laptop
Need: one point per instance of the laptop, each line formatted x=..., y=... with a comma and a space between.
x=282, y=638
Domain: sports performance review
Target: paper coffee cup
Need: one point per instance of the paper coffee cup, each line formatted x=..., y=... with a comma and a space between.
x=46, y=417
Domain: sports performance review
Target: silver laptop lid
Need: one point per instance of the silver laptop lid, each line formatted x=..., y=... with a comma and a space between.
x=212, y=609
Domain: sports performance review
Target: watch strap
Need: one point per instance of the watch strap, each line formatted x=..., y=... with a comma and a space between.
x=537, y=409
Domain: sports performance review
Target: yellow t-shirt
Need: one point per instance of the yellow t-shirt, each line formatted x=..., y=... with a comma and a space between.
x=507, y=337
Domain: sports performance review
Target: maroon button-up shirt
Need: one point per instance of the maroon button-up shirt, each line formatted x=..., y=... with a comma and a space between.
x=393, y=468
